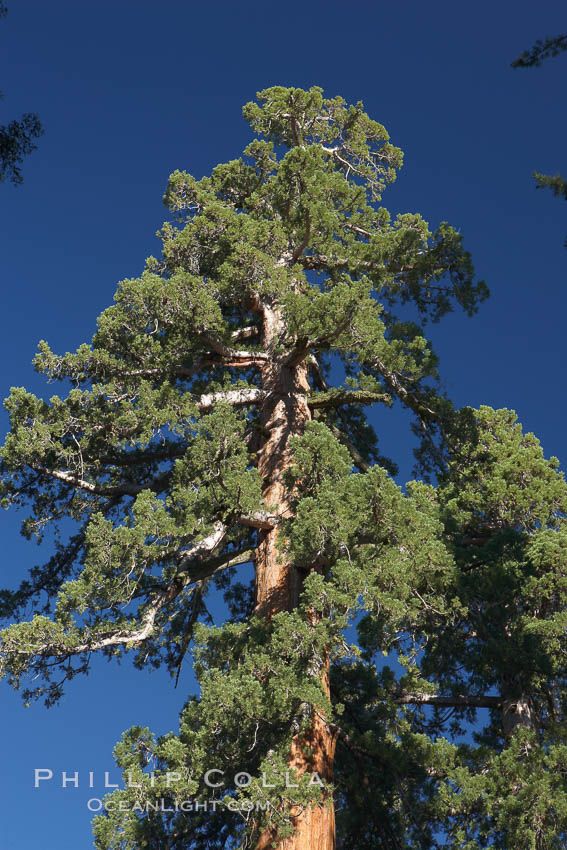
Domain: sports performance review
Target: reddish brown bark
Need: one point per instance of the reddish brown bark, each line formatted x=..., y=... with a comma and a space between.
x=283, y=415
x=313, y=826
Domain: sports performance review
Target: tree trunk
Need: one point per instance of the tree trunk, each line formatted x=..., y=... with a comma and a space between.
x=517, y=712
x=278, y=585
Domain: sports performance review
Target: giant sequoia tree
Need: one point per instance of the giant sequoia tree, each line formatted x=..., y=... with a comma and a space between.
x=396, y=655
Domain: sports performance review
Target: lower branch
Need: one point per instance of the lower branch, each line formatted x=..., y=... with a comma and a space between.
x=336, y=398
x=453, y=701
x=256, y=358
x=189, y=561
x=237, y=398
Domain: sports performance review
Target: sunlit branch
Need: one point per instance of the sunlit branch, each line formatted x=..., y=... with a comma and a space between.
x=336, y=398
x=234, y=354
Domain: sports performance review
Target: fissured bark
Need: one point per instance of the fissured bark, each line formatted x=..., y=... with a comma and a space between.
x=278, y=585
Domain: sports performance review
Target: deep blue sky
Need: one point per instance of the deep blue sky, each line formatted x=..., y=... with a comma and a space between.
x=129, y=91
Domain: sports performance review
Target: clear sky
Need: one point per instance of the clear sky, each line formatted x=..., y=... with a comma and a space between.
x=130, y=90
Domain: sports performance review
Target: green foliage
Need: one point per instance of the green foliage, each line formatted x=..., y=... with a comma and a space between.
x=16, y=142
x=545, y=49
x=556, y=183
x=17, y=139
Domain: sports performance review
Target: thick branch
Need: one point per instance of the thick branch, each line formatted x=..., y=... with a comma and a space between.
x=178, y=371
x=304, y=345
x=234, y=354
x=454, y=701
x=359, y=230
x=259, y=519
x=237, y=398
x=189, y=560
x=299, y=353
x=100, y=489
x=199, y=571
x=205, y=547
x=245, y=333
x=336, y=398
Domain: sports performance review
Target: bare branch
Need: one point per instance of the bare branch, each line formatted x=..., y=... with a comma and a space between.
x=245, y=333
x=179, y=371
x=122, y=637
x=199, y=571
x=259, y=519
x=100, y=489
x=359, y=230
x=454, y=701
x=234, y=354
x=237, y=398
x=204, y=547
